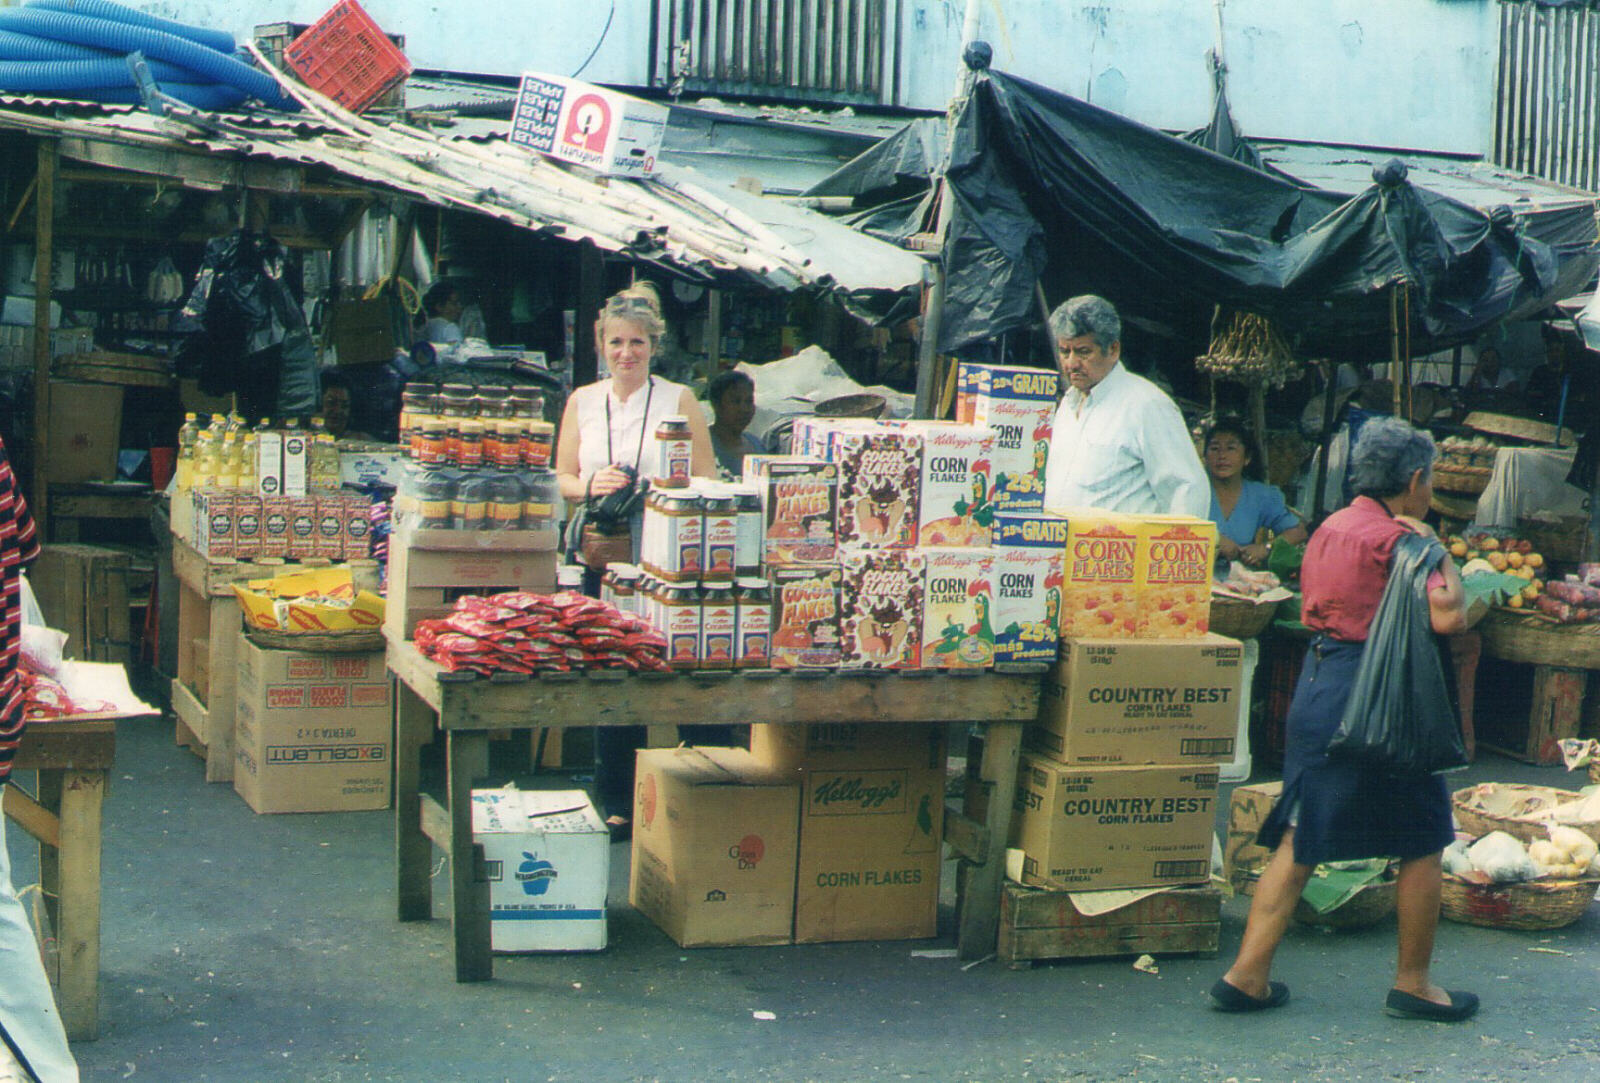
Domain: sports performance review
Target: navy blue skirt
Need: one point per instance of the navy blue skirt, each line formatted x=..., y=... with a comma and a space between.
x=1344, y=811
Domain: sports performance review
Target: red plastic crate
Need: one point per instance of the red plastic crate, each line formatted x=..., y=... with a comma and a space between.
x=347, y=57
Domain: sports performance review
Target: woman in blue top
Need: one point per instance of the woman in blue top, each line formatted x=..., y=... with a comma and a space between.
x=1242, y=504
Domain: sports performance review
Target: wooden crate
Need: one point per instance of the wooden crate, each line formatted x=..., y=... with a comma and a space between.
x=425, y=582
x=83, y=591
x=1037, y=923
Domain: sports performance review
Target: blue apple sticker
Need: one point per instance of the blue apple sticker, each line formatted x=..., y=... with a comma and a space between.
x=535, y=875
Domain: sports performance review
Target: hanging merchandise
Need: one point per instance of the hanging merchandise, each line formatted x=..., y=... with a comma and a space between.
x=245, y=331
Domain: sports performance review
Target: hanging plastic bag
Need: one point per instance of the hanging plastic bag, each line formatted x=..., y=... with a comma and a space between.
x=42, y=647
x=1399, y=716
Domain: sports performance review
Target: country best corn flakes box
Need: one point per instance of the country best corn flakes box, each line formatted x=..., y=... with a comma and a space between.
x=880, y=470
x=1175, y=557
x=1029, y=578
x=1100, y=593
x=880, y=608
x=955, y=505
x=958, y=608
x=1019, y=405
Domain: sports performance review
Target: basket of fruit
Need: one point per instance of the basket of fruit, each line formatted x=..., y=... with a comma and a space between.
x=1510, y=558
x=1559, y=537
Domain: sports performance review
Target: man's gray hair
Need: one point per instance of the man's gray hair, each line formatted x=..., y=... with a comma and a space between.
x=1086, y=315
x=1386, y=454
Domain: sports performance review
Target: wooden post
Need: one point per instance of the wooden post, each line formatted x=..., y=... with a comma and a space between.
x=928, y=341
x=591, y=295
x=713, y=333
x=44, y=204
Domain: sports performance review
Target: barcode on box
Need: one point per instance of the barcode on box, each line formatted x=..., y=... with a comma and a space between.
x=1198, y=869
x=1206, y=746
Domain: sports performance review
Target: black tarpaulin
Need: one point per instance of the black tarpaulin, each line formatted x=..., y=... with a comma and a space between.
x=1161, y=225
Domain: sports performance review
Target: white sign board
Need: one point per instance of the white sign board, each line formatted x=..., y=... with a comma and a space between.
x=588, y=125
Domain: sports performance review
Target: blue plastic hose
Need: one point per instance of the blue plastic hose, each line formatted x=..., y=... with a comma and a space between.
x=118, y=13
x=15, y=46
x=62, y=76
x=208, y=96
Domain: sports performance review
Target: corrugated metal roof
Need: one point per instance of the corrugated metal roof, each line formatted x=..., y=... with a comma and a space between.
x=680, y=219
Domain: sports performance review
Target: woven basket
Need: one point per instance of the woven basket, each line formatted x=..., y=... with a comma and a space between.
x=1477, y=823
x=1240, y=619
x=355, y=639
x=1519, y=636
x=1453, y=480
x=1537, y=904
x=1556, y=537
x=1368, y=906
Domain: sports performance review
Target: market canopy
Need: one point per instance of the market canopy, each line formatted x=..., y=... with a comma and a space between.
x=1045, y=184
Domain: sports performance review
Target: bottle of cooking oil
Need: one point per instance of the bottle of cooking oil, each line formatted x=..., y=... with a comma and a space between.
x=249, y=439
x=205, y=459
x=324, y=461
x=188, y=435
x=228, y=461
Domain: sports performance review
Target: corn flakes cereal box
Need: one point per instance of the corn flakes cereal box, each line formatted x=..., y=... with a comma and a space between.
x=799, y=499
x=805, y=616
x=955, y=505
x=880, y=608
x=880, y=470
x=1100, y=595
x=968, y=376
x=1029, y=579
x=1175, y=557
x=1019, y=404
x=958, y=608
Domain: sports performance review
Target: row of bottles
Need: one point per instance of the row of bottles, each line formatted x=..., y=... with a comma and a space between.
x=225, y=452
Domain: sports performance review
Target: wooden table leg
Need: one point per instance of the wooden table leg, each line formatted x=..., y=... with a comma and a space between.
x=468, y=754
x=1465, y=650
x=1557, y=710
x=49, y=797
x=219, y=737
x=413, y=852
x=78, y=928
x=978, y=919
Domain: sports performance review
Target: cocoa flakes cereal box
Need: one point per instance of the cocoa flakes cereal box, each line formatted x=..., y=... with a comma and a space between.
x=879, y=473
x=1175, y=559
x=805, y=616
x=799, y=498
x=1100, y=593
x=880, y=608
x=958, y=608
x=954, y=505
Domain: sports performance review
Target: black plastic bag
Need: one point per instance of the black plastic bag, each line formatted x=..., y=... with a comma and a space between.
x=1399, y=717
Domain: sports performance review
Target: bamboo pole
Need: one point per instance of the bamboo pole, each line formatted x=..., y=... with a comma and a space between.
x=44, y=203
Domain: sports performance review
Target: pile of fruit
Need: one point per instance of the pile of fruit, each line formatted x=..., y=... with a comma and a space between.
x=1486, y=552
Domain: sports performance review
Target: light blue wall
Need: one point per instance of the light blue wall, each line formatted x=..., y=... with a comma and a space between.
x=1403, y=73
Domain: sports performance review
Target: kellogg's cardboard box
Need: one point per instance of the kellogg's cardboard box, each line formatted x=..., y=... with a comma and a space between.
x=715, y=836
x=805, y=616
x=879, y=473
x=799, y=499
x=1019, y=404
x=958, y=608
x=880, y=608
x=1029, y=579
x=955, y=504
x=313, y=730
x=1175, y=559
x=547, y=855
x=871, y=826
x=1101, y=596
x=1099, y=828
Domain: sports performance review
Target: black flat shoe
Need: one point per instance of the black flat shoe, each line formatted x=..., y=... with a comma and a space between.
x=1405, y=1006
x=1229, y=998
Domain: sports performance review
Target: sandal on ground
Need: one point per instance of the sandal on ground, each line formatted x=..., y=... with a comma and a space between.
x=1230, y=998
x=1405, y=1006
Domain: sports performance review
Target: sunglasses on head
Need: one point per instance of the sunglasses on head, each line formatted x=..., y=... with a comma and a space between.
x=631, y=302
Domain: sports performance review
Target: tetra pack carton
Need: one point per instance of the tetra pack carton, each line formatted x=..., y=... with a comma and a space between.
x=954, y=505
x=958, y=608
x=1100, y=595
x=799, y=496
x=1019, y=404
x=1175, y=558
x=1029, y=559
x=880, y=608
x=880, y=470
x=805, y=616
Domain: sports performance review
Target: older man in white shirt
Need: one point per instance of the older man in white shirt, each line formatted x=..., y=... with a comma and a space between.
x=1119, y=442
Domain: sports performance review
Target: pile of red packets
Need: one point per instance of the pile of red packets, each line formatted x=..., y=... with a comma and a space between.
x=43, y=698
x=521, y=632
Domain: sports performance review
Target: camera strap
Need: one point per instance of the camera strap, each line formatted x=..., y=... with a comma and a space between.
x=644, y=427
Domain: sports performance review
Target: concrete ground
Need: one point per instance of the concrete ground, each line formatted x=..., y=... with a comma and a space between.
x=261, y=948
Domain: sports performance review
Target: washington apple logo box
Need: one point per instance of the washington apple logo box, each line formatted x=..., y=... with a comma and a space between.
x=548, y=858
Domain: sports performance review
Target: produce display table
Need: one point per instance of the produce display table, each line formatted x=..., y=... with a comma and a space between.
x=203, y=691
x=1562, y=656
x=73, y=759
x=469, y=709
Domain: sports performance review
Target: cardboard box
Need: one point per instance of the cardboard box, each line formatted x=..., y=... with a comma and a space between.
x=799, y=498
x=1019, y=404
x=1098, y=828
x=314, y=730
x=269, y=463
x=871, y=827
x=1100, y=595
x=587, y=125
x=1030, y=551
x=276, y=513
x=1132, y=701
x=214, y=511
x=246, y=525
x=296, y=463
x=955, y=506
x=357, y=526
x=328, y=540
x=880, y=470
x=958, y=603
x=805, y=616
x=547, y=856
x=302, y=527
x=84, y=434
x=424, y=582
x=1242, y=859
x=880, y=608
x=1175, y=559
x=715, y=837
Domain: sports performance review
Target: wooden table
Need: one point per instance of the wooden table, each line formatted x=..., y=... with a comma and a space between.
x=73, y=760
x=470, y=709
x=1562, y=657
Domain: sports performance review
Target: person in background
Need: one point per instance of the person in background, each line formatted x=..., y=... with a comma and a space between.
x=1337, y=810
x=732, y=395
x=1242, y=503
x=606, y=440
x=1119, y=442
x=33, y=1044
x=1490, y=374
x=442, y=305
x=335, y=411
